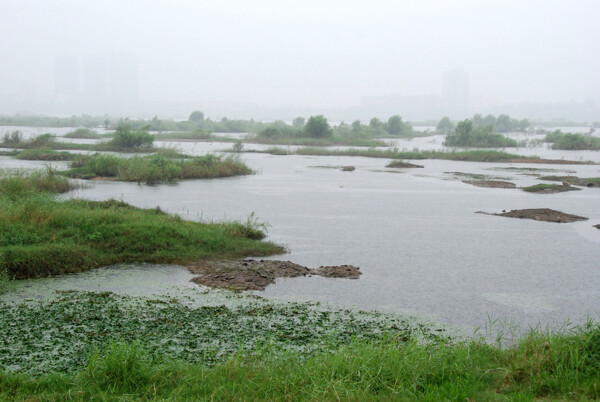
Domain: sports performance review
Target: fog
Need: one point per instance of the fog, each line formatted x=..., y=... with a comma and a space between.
x=156, y=56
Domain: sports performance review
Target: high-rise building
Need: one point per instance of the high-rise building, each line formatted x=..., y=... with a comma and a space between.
x=110, y=78
x=66, y=78
x=455, y=93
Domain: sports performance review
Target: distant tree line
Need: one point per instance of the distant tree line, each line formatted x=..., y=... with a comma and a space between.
x=501, y=124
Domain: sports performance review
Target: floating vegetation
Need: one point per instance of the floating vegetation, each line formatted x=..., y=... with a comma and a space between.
x=77, y=323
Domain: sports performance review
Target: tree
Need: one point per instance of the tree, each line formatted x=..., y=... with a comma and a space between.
x=394, y=125
x=298, y=122
x=445, y=125
x=477, y=120
x=317, y=127
x=356, y=126
x=375, y=123
x=503, y=124
x=196, y=117
x=489, y=120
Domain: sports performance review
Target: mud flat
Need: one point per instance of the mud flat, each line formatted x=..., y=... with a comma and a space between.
x=402, y=164
x=539, y=214
x=491, y=183
x=257, y=275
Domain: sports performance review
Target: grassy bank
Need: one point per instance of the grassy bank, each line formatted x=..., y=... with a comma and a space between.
x=43, y=237
x=153, y=169
x=473, y=156
x=169, y=351
x=44, y=154
x=124, y=140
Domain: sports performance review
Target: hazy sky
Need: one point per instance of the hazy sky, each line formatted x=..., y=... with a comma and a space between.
x=317, y=53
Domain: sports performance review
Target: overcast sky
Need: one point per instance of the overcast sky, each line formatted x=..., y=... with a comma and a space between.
x=312, y=53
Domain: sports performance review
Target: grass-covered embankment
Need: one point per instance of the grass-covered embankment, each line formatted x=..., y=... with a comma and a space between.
x=123, y=140
x=473, y=156
x=159, y=168
x=44, y=154
x=170, y=351
x=42, y=236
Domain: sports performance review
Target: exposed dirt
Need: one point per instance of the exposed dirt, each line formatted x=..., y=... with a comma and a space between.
x=539, y=214
x=257, y=275
x=597, y=226
x=491, y=183
x=402, y=164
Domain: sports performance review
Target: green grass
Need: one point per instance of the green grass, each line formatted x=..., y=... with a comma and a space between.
x=160, y=168
x=473, y=155
x=83, y=133
x=548, y=187
x=16, y=184
x=574, y=180
x=40, y=236
x=540, y=366
x=44, y=154
x=48, y=141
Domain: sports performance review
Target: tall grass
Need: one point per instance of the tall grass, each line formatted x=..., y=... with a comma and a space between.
x=19, y=183
x=158, y=168
x=540, y=366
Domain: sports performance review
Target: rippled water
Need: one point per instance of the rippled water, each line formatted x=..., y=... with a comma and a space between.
x=413, y=232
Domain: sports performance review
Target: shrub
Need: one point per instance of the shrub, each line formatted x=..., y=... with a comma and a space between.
x=126, y=138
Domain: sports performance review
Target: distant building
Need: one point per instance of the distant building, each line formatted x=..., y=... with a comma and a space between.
x=66, y=78
x=110, y=78
x=455, y=93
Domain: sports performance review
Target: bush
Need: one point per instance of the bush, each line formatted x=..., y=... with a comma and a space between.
x=126, y=138
x=465, y=135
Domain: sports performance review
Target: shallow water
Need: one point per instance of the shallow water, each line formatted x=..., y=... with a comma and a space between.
x=413, y=232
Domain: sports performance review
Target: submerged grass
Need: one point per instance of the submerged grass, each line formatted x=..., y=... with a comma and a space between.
x=163, y=167
x=542, y=365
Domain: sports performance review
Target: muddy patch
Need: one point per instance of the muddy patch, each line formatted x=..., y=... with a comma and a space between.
x=597, y=226
x=402, y=164
x=491, y=183
x=539, y=214
x=257, y=275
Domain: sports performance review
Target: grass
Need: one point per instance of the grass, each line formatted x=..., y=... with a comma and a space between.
x=48, y=141
x=555, y=188
x=473, y=155
x=41, y=236
x=160, y=168
x=83, y=133
x=44, y=154
x=18, y=184
x=542, y=365
x=574, y=180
